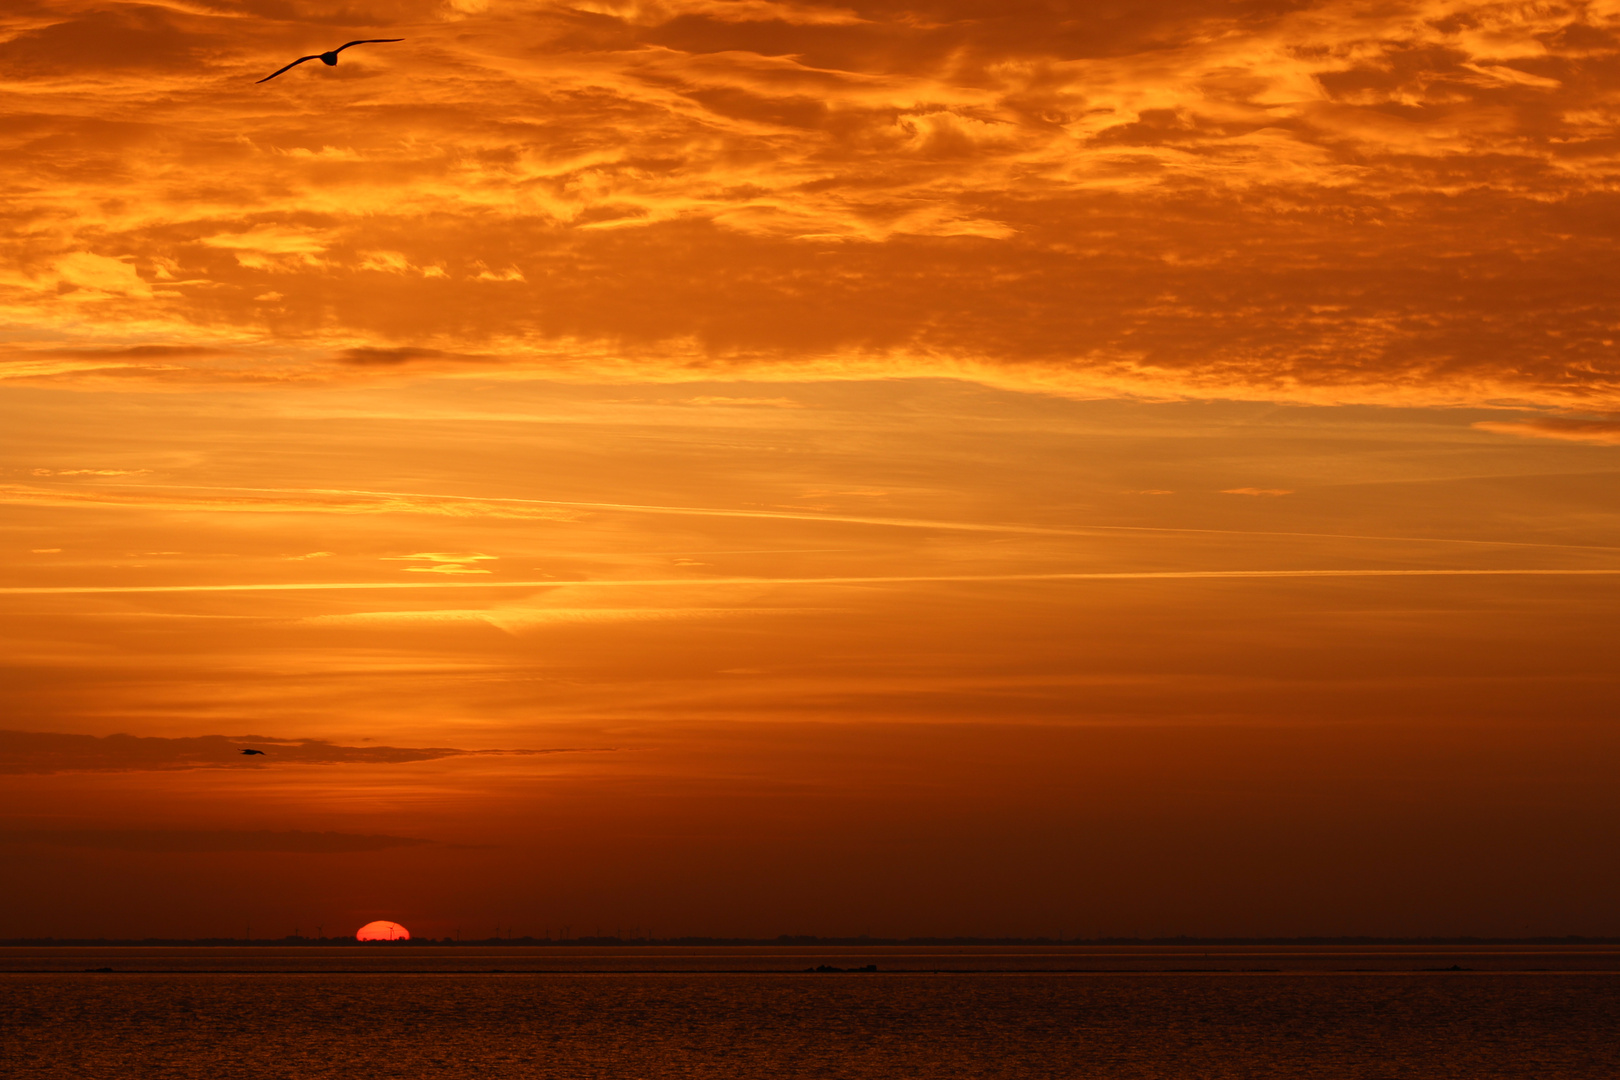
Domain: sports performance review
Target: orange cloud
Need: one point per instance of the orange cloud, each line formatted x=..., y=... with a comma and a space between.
x=1602, y=432
x=320, y=502
x=445, y=562
x=1317, y=203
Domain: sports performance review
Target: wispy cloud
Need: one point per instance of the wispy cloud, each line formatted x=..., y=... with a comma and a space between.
x=209, y=840
x=744, y=402
x=1601, y=432
x=445, y=562
x=338, y=500
x=873, y=579
x=50, y=752
x=518, y=620
x=241, y=500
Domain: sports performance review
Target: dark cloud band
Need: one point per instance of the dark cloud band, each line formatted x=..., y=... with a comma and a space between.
x=50, y=752
x=208, y=840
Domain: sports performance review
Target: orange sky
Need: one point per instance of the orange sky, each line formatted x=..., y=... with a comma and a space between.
x=928, y=469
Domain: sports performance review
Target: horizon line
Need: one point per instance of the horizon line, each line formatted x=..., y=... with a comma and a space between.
x=813, y=940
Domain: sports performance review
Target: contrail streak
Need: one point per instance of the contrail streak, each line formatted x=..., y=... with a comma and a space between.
x=1143, y=575
x=892, y=522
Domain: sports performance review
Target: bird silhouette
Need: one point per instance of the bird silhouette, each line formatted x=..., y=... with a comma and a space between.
x=259, y=752
x=329, y=58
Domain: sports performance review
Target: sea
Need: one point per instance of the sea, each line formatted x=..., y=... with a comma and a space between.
x=419, y=1012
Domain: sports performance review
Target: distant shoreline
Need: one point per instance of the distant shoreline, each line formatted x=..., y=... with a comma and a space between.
x=796, y=941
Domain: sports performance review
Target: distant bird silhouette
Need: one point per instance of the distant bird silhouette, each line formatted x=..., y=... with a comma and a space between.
x=259, y=752
x=329, y=58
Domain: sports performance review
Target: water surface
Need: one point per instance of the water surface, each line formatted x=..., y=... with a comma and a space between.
x=395, y=1020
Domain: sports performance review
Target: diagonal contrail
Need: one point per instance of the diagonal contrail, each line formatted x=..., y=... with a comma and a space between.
x=1142, y=575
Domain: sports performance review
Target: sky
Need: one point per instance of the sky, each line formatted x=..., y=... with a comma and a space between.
x=738, y=467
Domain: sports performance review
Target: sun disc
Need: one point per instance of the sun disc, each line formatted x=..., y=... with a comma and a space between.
x=382, y=930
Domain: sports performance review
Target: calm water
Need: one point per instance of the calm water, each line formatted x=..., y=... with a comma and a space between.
x=398, y=1021
x=398, y=959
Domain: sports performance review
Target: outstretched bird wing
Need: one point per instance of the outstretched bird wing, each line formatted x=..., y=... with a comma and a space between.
x=290, y=66
x=367, y=41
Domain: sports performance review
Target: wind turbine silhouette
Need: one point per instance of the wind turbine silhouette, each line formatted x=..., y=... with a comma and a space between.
x=329, y=58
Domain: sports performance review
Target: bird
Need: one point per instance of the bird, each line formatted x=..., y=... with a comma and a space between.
x=259, y=752
x=329, y=58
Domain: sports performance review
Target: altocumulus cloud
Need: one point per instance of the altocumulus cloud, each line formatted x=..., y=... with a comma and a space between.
x=1408, y=202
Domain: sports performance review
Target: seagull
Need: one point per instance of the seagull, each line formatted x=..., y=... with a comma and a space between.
x=259, y=752
x=330, y=58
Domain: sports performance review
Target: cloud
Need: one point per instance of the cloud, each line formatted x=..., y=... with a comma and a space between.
x=357, y=502
x=445, y=562
x=1319, y=201
x=374, y=357
x=520, y=619
x=309, y=501
x=208, y=840
x=1252, y=491
x=757, y=582
x=118, y=38
x=32, y=752
x=152, y=360
x=1602, y=432
x=744, y=402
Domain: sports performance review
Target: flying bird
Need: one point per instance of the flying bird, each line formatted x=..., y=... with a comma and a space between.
x=259, y=752
x=330, y=58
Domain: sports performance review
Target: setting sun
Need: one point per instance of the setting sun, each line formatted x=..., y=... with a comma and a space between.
x=382, y=930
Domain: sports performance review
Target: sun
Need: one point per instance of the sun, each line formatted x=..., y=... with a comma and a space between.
x=382, y=930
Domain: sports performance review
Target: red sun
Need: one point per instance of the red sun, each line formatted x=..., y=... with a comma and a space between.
x=382, y=930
